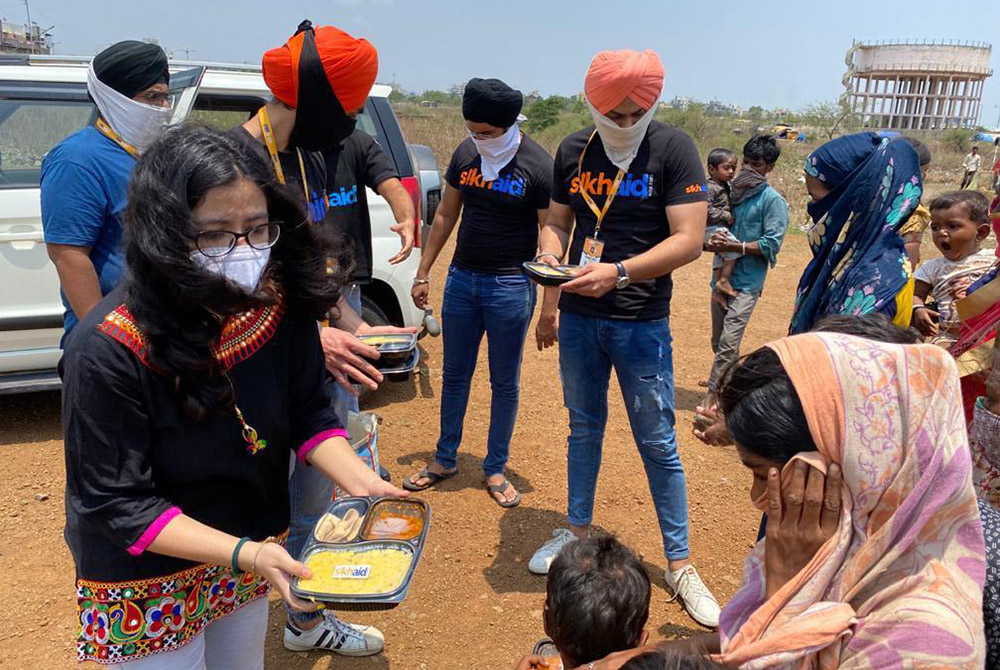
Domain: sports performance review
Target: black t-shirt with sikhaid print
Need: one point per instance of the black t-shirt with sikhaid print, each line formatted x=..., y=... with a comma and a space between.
x=357, y=164
x=499, y=229
x=292, y=170
x=666, y=171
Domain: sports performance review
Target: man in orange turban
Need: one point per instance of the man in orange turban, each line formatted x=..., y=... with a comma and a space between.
x=629, y=207
x=320, y=79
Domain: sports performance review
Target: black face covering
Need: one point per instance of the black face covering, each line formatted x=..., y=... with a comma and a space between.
x=320, y=121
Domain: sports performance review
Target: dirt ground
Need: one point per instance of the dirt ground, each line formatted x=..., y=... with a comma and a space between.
x=473, y=602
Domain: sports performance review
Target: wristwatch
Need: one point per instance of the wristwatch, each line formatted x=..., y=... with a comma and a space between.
x=623, y=278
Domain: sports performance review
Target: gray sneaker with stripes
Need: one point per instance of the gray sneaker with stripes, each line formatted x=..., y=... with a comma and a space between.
x=332, y=634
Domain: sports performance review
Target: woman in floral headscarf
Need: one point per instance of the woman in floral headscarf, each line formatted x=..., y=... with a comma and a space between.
x=863, y=188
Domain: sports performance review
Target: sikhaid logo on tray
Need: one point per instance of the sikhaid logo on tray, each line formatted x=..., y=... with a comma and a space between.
x=352, y=571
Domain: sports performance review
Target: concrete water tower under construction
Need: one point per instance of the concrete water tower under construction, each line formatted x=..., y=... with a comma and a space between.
x=917, y=84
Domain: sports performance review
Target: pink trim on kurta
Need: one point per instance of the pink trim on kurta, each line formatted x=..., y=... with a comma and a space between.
x=153, y=530
x=316, y=439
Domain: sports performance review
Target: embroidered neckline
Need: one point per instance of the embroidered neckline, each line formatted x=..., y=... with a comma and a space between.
x=242, y=335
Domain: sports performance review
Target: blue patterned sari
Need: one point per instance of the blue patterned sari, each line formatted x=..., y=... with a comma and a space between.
x=859, y=263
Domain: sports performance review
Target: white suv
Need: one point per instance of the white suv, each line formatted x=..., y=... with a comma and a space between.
x=44, y=98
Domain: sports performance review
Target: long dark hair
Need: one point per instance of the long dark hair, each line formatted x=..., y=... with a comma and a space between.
x=181, y=308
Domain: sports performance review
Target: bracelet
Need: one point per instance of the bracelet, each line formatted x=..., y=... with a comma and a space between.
x=554, y=257
x=916, y=307
x=744, y=248
x=269, y=540
x=236, y=555
x=417, y=282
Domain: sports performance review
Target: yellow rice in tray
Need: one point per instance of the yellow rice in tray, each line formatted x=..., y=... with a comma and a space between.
x=375, y=571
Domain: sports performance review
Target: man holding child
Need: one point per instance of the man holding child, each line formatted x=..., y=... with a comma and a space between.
x=760, y=219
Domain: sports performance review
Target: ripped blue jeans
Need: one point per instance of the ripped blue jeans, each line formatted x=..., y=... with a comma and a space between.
x=640, y=353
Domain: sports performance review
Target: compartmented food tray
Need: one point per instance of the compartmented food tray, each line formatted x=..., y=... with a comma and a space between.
x=548, y=275
x=397, y=352
x=363, y=553
x=409, y=364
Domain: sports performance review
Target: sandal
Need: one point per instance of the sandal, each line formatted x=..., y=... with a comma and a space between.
x=501, y=488
x=434, y=478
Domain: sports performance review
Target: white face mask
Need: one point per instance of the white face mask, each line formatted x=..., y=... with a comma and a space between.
x=136, y=123
x=498, y=151
x=243, y=266
x=621, y=144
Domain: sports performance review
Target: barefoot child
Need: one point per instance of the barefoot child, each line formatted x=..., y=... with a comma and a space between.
x=960, y=221
x=721, y=169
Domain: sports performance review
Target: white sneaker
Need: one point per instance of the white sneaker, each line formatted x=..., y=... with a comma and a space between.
x=540, y=562
x=332, y=634
x=698, y=600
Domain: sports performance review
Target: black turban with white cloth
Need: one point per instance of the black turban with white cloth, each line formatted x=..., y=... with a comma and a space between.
x=491, y=101
x=130, y=67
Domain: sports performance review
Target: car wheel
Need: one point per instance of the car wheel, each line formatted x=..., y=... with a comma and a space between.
x=372, y=313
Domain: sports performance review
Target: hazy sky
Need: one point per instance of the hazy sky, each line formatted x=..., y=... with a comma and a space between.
x=773, y=53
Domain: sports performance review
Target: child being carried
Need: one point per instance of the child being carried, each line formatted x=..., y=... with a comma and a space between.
x=721, y=169
x=960, y=221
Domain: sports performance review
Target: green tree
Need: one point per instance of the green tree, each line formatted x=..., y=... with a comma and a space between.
x=829, y=118
x=543, y=113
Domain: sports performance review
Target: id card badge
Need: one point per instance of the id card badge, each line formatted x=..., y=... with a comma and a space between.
x=592, y=250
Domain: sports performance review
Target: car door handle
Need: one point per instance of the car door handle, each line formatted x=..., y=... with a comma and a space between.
x=25, y=236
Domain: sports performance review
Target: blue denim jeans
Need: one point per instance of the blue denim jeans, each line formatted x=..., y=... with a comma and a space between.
x=310, y=491
x=640, y=353
x=500, y=306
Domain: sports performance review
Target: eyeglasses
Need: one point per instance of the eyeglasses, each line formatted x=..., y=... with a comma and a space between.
x=218, y=243
x=156, y=99
x=491, y=135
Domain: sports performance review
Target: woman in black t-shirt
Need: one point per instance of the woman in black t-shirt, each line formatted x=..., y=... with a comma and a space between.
x=499, y=180
x=185, y=392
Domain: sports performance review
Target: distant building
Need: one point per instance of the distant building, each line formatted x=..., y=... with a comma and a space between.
x=680, y=103
x=17, y=38
x=917, y=84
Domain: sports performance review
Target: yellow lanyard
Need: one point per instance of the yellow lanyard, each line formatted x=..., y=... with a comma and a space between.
x=599, y=213
x=110, y=133
x=272, y=149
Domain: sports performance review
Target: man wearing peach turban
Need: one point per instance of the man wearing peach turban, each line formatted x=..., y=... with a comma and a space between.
x=320, y=79
x=636, y=191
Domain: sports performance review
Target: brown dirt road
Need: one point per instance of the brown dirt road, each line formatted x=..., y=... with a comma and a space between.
x=473, y=602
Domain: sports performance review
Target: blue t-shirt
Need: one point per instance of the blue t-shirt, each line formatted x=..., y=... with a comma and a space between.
x=84, y=187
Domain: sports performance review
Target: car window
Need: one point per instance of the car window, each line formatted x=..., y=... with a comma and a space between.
x=367, y=124
x=29, y=129
x=224, y=112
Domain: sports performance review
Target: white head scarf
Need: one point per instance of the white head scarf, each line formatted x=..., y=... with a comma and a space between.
x=135, y=122
x=621, y=144
x=498, y=151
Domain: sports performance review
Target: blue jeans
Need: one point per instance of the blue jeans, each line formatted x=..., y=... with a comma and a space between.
x=500, y=306
x=309, y=490
x=640, y=353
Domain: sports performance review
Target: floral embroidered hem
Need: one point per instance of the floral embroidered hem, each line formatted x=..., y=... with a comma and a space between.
x=124, y=621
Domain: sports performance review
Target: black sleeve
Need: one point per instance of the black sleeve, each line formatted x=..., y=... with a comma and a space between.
x=560, y=193
x=542, y=180
x=110, y=484
x=453, y=174
x=313, y=419
x=683, y=175
x=377, y=165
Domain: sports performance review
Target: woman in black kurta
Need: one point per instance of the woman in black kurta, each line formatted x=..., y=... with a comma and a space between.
x=185, y=393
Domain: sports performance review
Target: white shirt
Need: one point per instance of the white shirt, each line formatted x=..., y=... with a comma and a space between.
x=949, y=281
x=973, y=162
